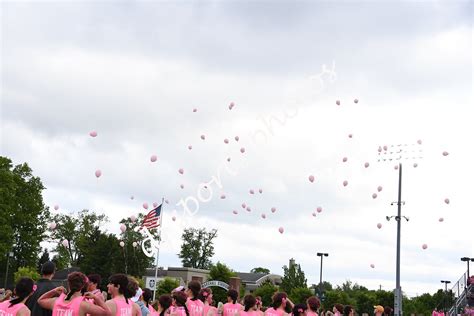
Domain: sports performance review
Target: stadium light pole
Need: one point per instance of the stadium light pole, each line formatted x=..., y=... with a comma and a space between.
x=445, y=293
x=467, y=259
x=396, y=153
x=321, y=254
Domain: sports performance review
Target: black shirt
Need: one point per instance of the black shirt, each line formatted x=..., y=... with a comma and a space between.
x=42, y=286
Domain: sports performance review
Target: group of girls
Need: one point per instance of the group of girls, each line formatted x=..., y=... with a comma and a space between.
x=190, y=301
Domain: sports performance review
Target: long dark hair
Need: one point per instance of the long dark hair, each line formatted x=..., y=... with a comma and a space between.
x=180, y=299
x=131, y=289
x=204, y=294
x=121, y=280
x=165, y=303
x=313, y=303
x=249, y=302
x=76, y=282
x=147, y=296
x=233, y=294
x=23, y=288
x=195, y=287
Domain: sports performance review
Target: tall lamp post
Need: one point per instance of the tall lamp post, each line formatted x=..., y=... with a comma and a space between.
x=10, y=254
x=321, y=254
x=445, y=293
x=396, y=153
x=466, y=259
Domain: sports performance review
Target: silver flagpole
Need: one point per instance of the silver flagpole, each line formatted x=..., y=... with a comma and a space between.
x=158, y=250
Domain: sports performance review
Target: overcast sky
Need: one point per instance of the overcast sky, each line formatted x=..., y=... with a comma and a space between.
x=134, y=71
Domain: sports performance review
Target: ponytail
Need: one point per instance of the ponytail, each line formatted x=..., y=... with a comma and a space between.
x=76, y=281
x=23, y=289
x=186, y=310
x=71, y=293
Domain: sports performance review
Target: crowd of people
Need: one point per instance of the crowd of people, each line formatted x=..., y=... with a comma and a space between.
x=124, y=297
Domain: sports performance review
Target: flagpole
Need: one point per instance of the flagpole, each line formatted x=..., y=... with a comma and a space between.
x=158, y=250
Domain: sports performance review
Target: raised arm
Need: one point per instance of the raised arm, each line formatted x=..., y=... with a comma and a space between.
x=48, y=299
x=98, y=308
x=112, y=307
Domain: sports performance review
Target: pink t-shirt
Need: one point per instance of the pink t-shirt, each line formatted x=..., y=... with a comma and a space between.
x=195, y=308
x=6, y=310
x=249, y=313
x=178, y=311
x=230, y=309
x=273, y=312
x=122, y=308
x=210, y=310
x=311, y=313
x=63, y=308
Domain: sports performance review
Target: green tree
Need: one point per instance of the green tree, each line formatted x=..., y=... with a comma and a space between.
x=27, y=272
x=197, y=248
x=300, y=294
x=293, y=277
x=24, y=215
x=260, y=270
x=220, y=272
x=266, y=291
x=166, y=285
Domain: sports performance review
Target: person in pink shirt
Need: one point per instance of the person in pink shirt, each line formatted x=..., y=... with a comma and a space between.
x=179, y=299
x=16, y=307
x=74, y=303
x=94, y=284
x=120, y=304
x=206, y=297
x=164, y=305
x=194, y=304
x=313, y=305
x=232, y=308
x=258, y=305
x=338, y=309
x=280, y=300
x=250, y=306
x=299, y=309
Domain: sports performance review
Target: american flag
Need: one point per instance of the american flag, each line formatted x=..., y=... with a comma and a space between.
x=152, y=219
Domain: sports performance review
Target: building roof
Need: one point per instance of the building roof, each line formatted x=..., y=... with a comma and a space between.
x=248, y=277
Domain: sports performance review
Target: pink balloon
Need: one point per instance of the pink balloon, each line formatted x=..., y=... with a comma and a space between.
x=153, y=158
x=133, y=218
x=374, y=195
x=424, y=246
x=338, y=102
x=93, y=134
x=181, y=186
x=242, y=150
x=273, y=209
x=248, y=209
x=415, y=165
x=65, y=243
x=395, y=167
x=419, y=142
x=132, y=197
x=379, y=188
x=380, y=149
x=122, y=244
x=155, y=204
x=251, y=191
x=203, y=137
x=281, y=230
x=134, y=244
x=345, y=183
x=244, y=205
x=223, y=196
x=445, y=153
x=260, y=191
x=372, y=265
x=235, y=212
x=228, y=159
x=181, y=171
x=173, y=218
x=311, y=178
x=226, y=141
x=231, y=105
x=366, y=165
x=319, y=209
x=441, y=219
x=350, y=135
x=236, y=138
x=195, y=110
x=98, y=173
x=264, y=216
x=52, y=226
x=167, y=202
x=356, y=101
x=123, y=228
x=446, y=201
x=190, y=147
x=344, y=159
x=385, y=148
x=56, y=207
x=379, y=225
x=314, y=214
x=145, y=205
